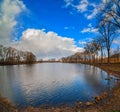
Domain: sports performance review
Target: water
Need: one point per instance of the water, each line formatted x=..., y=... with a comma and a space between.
x=52, y=83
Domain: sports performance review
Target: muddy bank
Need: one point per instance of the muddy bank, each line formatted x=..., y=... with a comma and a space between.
x=6, y=106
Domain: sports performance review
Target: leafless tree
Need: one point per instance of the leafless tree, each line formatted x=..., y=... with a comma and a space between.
x=101, y=44
x=30, y=57
x=111, y=12
x=92, y=49
x=9, y=55
x=1, y=53
x=107, y=31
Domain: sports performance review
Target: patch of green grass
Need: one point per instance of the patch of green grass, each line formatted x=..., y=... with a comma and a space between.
x=115, y=110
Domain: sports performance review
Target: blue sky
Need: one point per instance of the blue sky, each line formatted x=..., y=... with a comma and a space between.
x=57, y=16
x=48, y=28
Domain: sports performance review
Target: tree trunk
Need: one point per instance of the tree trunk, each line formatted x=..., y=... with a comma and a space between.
x=108, y=61
x=101, y=56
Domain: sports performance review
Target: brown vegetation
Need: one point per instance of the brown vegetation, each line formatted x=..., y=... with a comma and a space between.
x=11, y=56
x=5, y=106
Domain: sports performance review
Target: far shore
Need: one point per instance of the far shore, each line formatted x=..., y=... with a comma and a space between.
x=24, y=63
x=110, y=103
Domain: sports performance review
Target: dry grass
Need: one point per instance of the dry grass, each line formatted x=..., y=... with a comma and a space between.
x=113, y=68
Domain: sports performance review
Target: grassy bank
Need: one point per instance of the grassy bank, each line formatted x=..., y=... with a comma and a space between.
x=111, y=68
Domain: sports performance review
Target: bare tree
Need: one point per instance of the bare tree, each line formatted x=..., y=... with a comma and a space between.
x=30, y=57
x=9, y=55
x=101, y=44
x=109, y=23
x=1, y=54
x=92, y=49
x=116, y=54
x=107, y=30
x=111, y=12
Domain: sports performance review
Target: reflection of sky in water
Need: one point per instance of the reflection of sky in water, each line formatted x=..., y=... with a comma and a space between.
x=52, y=83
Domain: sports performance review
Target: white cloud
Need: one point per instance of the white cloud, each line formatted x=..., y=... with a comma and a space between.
x=69, y=28
x=66, y=28
x=93, y=14
x=118, y=31
x=105, y=1
x=84, y=41
x=117, y=41
x=89, y=9
x=68, y=2
x=46, y=45
x=90, y=25
x=89, y=29
x=82, y=6
x=9, y=9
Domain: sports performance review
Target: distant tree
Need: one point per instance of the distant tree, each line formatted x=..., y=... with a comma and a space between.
x=9, y=55
x=1, y=54
x=30, y=57
x=101, y=43
x=92, y=48
x=116, y=54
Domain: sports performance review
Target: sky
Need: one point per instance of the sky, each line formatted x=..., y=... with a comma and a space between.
x=48, y=28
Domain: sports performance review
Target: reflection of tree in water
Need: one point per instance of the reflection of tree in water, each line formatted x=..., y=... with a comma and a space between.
x=109, y=80
x=9, y=85
x=95, y=77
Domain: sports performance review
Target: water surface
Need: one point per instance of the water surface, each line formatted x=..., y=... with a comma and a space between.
x=52, y=83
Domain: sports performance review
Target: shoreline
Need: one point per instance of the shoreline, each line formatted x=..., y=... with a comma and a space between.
x=101, y=105
x=6, y=106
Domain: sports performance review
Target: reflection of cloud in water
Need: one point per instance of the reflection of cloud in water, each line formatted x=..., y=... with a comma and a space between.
x=46, y=77
x=50, y=82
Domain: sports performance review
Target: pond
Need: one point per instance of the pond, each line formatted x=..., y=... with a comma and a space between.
x=52, y=83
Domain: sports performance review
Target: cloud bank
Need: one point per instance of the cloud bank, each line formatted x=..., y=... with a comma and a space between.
x=9, y=10
x=46, y=45
x=42, y=44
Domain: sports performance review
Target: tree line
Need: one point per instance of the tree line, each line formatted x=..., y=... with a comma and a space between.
x=9, y=55
x=109, y=29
